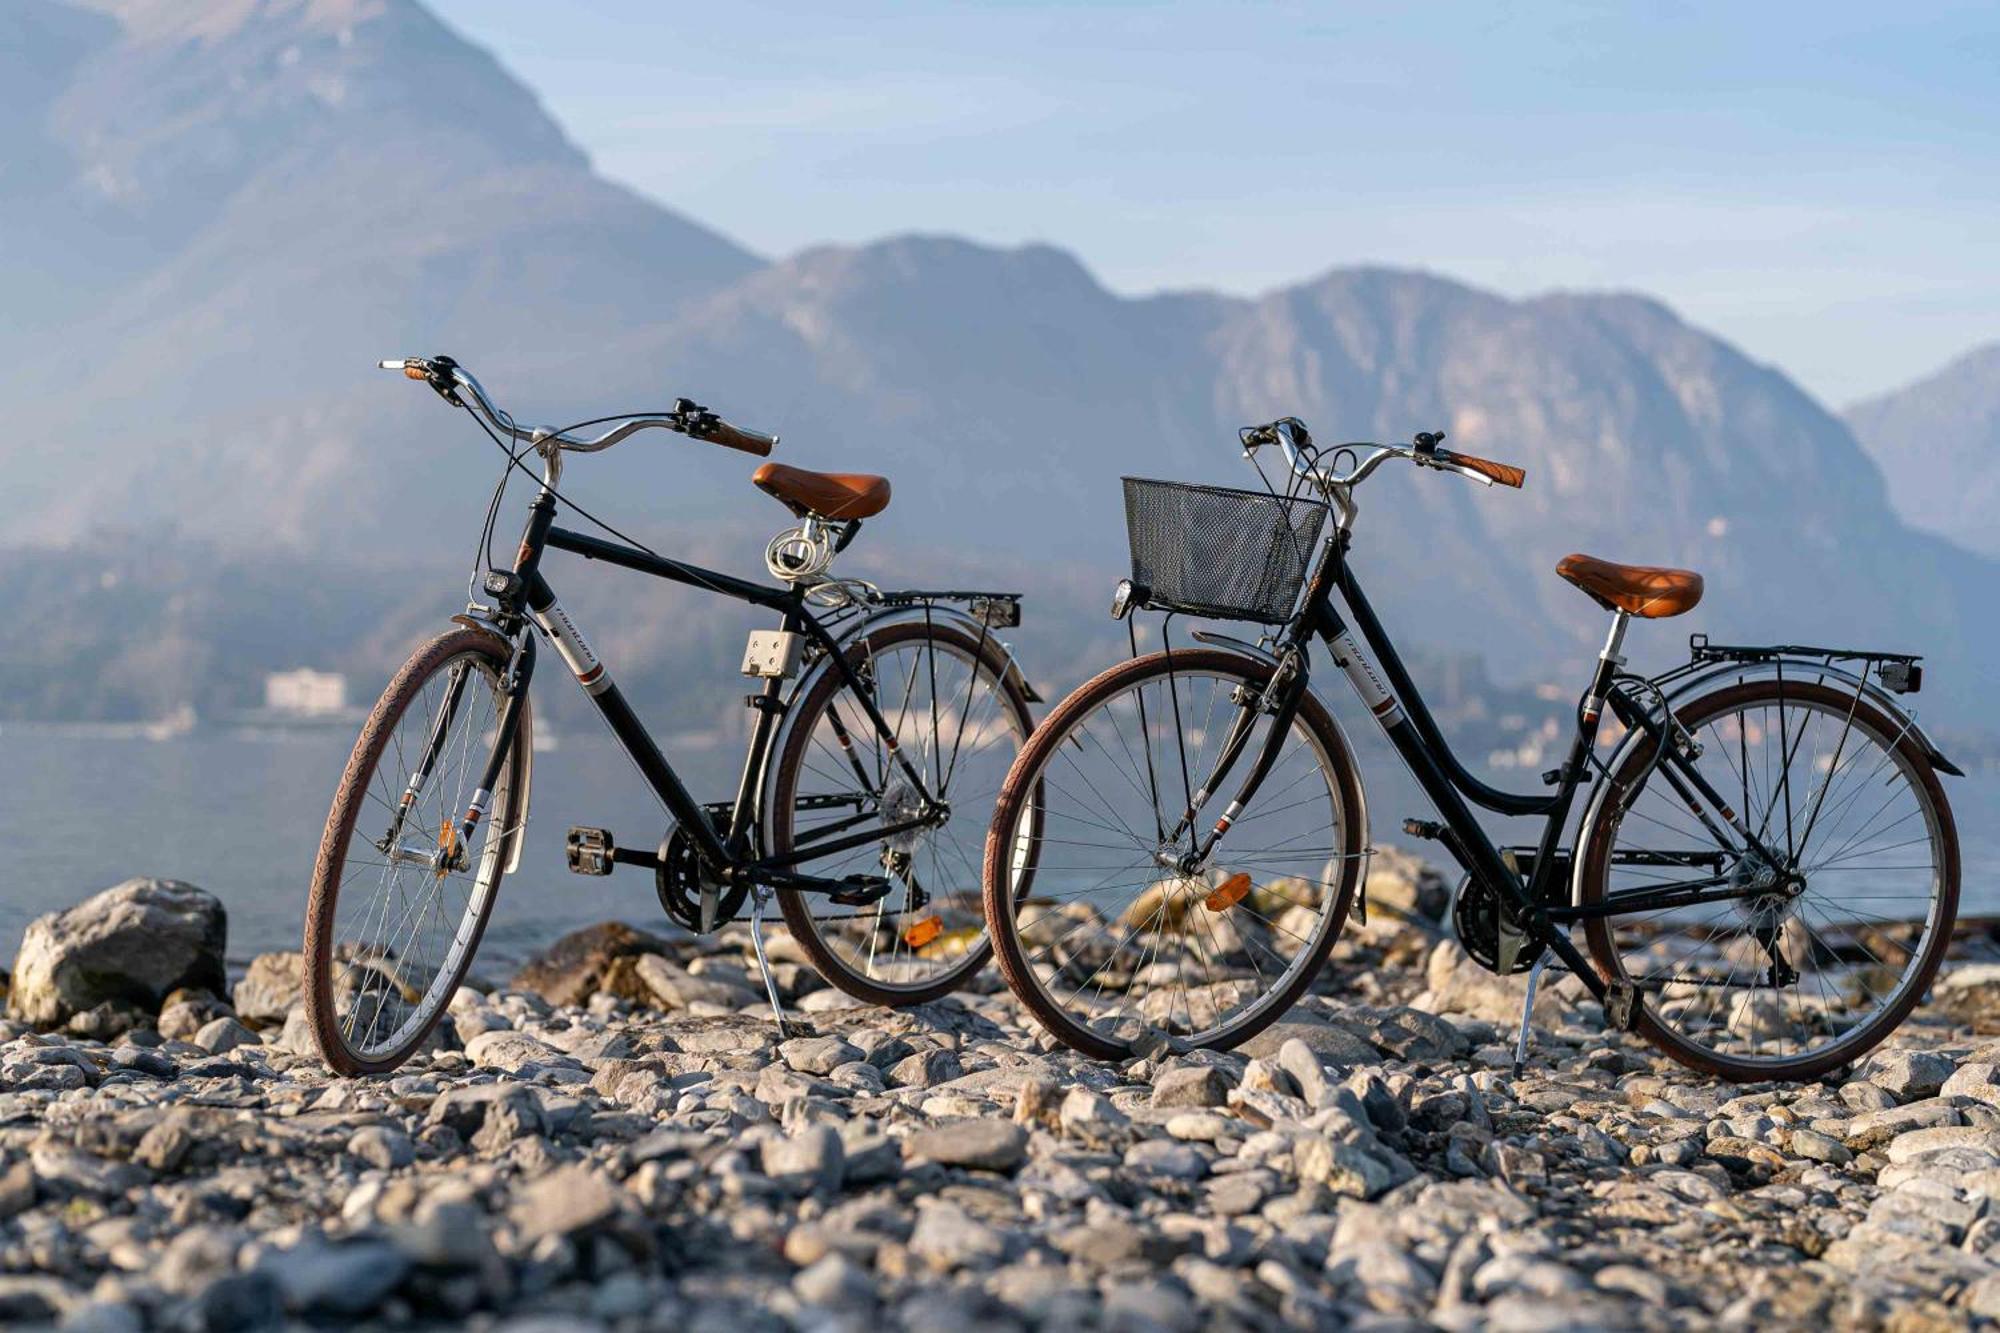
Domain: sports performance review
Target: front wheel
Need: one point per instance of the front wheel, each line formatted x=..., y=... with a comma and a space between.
x=1827, y=943
x=1130, y=934
x=399, y=901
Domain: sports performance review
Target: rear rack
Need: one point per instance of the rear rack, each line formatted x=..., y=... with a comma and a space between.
x=1897, y=671
x=1000, y=610
x=1704, y=651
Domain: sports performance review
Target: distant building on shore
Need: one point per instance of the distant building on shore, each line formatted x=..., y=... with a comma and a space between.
x=305, y=692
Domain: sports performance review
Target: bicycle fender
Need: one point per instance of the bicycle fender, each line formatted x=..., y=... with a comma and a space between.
x=524, y=737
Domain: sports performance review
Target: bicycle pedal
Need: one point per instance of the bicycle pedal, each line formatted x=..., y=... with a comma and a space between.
x=1423, y=828
x=589, y=851
x=859, y=890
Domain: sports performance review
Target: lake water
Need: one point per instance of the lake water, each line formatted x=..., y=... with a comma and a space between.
x=240, y=815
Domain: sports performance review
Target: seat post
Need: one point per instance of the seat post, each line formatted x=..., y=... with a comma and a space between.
x=1609, y=659
x=1614, y=642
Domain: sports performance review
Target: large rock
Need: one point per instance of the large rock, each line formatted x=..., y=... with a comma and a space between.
x=1406, y=886
x=1458, y=985
x=575, y=967
x=133, y=944
x=1970, y=993
x=272, y=987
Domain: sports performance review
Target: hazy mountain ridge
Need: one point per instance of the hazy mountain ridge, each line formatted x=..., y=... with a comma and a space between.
x=431, y=206
x=1938, y=440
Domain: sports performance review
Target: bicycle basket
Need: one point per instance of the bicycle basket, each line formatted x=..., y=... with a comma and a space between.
x=1212, y=551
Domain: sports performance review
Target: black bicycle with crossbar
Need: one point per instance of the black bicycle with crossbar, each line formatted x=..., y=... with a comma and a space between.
x=883, y=723
x=1764, y=870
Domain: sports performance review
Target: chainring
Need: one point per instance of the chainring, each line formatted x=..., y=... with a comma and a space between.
x=1479, y=917
x=681, y=878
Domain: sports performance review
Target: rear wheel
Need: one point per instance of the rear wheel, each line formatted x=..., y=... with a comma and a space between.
x=1126, y=936
x=1847, y=927
x=398, y=902
x=960, y=714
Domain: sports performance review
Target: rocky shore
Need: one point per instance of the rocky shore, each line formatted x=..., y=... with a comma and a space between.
x=619, y=1138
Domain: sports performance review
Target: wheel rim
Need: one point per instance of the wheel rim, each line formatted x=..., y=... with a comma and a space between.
x=1816, y=969
x=929, y=933
x=403, y=928
x=1116, y=945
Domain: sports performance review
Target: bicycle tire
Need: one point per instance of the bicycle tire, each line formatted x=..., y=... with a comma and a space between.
x=350, y=798
x=1598, y=840
x=1026, y=779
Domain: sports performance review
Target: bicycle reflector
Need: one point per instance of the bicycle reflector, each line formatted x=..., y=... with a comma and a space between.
x=1228, y=893
x=917, y=936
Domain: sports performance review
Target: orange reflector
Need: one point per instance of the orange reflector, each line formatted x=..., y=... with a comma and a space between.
x=414, y=373
x=1228, y=893
x=923, y=932
x=448, y=844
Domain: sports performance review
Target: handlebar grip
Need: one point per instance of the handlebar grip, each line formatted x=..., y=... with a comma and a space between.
x=1506, y=474
x=755, y=442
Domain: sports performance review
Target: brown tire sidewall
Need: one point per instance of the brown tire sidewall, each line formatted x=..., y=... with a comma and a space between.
x=348, y=800
x=1603, y=834
x=797, y=912
x=1024, y=777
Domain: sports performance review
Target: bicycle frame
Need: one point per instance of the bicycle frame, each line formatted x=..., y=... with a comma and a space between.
x=1399, y=709
x=524, y=596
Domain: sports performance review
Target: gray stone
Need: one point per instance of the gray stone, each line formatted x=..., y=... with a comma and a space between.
x=924, y=1069
x=986, y=1144
x=818, y=1055
x=512, y=1051
x=222, y=1035
x=1304, y=1065
x=1091, y=1117
x=1342, y=1167
x=1167, y=1157
x=348, y=1279
x=382, y=1146
x=1908, y=1075
x=132, y=944
x=947, y=1238
x=1334, y=1045
x=811, y=1160
x=1977, y=1080
x=1183, y=1087
x=567, y=1200
x=834, y=1282
x=272, y=986
x=513, y=1110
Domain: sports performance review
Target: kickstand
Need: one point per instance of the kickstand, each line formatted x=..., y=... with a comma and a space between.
x=1527, y=1011
x=760, y=897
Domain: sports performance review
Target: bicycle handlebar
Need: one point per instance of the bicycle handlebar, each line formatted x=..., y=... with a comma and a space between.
x=1290, y=435
x=688, y=418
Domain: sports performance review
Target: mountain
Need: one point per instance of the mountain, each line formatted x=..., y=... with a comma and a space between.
x=234, y=210
x=224, y=216
x=1938, y=442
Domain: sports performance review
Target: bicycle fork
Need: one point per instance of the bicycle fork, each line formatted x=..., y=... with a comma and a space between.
x=1289, y=680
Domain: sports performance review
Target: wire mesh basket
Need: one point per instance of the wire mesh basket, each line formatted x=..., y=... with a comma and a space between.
x=1212, y=551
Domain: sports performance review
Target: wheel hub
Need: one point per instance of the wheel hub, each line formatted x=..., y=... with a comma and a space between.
x=902, y=805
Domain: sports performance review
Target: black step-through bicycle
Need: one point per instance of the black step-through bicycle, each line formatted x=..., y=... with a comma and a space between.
x=882, y=726
x=1763, y=868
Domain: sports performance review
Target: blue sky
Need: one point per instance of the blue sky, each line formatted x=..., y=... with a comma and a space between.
x=1818, y=183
